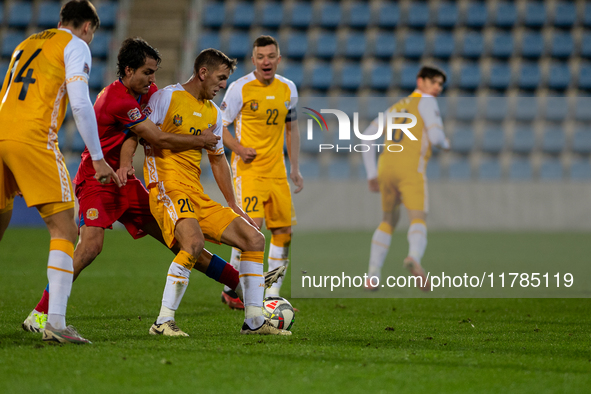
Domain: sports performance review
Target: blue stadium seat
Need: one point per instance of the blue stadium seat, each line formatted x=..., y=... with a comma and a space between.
x=447, y=15
x=355, y=45
x=10, y=41
x=101, y=44
x=505, y=15
x=301, y=15
x=339, y=169
x=469, y=77
x=384, y=46
x=553, y=141
x=562, y=45
x=582, y=105
x=443, y=45
x=107, y=12
x=460, y=170
x=238, y=45
x=520, y=169
x=581, y=142
x=322, y=77
x=20, y=13
x=524, y=139
x=476, y=15
x=462, y=140
x=580, y=170
x=295, y=72
x=297, y=45
x=48, y=14
x=76, y=142
x=556, y=109
x=490, y=170
x=97, y=75
x=272, y=15
x=408, y=76
x=584, y=81
x=502, y=45
x=532, y=45
x=209, y=40
x=388, y=15
x=466, y=108
x=1, y=14
x=530, y=76
x=587, y=15
x=325, y=45
x=500, y=76
x=565, y=14
x=418, y=15
x=348, y=105
x=63, y=140
x=213, y=15
x=414, y=45
x=4, y=64
x=585, y=50
x=351, y=77
x=449, y=80
x=238, y=73
x=330, y=15
x=526, y=108
x=472, y=45
x=359, y=15
x=243, y=15
x=497, y=108
x=493, y=140
x=559, y=76
x=434, y=169
x=551, y=170
x=380, y=77
x=535, y=14
x=310, y=169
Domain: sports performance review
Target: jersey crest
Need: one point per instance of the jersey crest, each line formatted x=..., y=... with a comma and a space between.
x=177, y=120
x=134, y=114
x=254, y=105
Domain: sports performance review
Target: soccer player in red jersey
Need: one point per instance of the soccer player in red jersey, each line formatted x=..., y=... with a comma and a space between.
x=118, y=109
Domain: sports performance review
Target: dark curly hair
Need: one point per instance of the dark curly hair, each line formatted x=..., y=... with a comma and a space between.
x=133, y=54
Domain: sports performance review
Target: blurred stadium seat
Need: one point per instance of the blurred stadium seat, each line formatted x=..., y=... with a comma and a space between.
x=48, y=14
x=580, y=170
x=339, y=169
x=351, y=76
x=472, y=45
x=585, y=50
x=505, y=14
x=524, y=139
x=358, y=15
x=208, y=40
x=297, y=45
x=434, y=169
x=443, y=45
x=272, y=15
x=476, y=15
x=581, y=142
x=214, y=15
x=414, y=45
x=330, y=15
x=562, y=45
x=10, y=41
x=380, y=77
x=238, y=45
x=526, y=108
x=295, y=72
x=301, y=15
x=490, y=170
x=447, y=15
x=559, y=76
x=325, y=45
x=520, y=169
x=355, y=45
x=502, y=45
x=322, y=77
x=553, y=140
x=556, y=109
x=497, y=108
x=551, y=170
x=20, y=13
x=107, y=11
x=493, y=140
x=499, y=76
x=565, y=14
x=101, y=44
x=582, y=105
x=408, y=76
x=470, y=77
x=530, y=76
x=532, y=45
x=460, y=170
x=466, y=108
x=388, y=15
x=584, y=80
x=418, y=15
x=535, y=14
x=462, y=140
x=384, y=46
x=243, y=14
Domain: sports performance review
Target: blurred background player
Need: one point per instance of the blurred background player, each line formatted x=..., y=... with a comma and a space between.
x=400, y=176
x=46, y=70
x=260, y=106
x=186, y=215
x=119, y=110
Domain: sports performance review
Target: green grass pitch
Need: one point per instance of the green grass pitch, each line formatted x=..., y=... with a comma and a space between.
x=338, y=345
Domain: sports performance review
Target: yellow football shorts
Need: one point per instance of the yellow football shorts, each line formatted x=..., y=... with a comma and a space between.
x=268, y=198
x=39, y=173
x=410, y=188
x=171, y=201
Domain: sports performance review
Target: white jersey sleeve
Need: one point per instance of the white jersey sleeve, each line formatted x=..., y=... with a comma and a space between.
x=158, y=106
x=429, y=111
x=232, y=103
x=219, y=130
x=77, y=60
x=293, y=102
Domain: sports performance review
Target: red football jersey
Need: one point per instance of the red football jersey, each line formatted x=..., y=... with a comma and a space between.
x=116, y=111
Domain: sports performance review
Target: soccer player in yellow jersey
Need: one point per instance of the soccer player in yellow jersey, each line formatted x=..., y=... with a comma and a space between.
x=400, y=175
x=262, y=107
x=186, y=215
x=46, y=70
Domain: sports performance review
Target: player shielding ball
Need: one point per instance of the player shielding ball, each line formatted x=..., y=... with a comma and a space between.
x=46, y=70
x=262, y=107
x=185, y=214
x=400, y=176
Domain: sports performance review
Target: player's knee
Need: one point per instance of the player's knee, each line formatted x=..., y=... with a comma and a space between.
x=195, y=247
x=256, y=242
x=91, y=250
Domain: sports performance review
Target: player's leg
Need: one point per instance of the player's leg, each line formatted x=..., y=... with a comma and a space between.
x=278, y=255
x=5, y=215
x=90, y=245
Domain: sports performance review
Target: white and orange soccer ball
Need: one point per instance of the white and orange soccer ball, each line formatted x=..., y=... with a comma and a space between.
x=279, y=312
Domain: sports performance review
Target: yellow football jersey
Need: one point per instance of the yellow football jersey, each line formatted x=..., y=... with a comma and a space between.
x=259, y=113
x=33, y=96
x=177, y=111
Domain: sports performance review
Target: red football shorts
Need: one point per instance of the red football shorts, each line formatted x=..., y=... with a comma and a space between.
x=103, y=205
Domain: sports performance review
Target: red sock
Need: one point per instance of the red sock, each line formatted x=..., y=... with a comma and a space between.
x=229, y=276
x=43, y=305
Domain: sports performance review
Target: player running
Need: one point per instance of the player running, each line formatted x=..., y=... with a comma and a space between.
x=400, y=176
x=261, y=106
x=186, y=215
x=119, y=110
x=46, y=70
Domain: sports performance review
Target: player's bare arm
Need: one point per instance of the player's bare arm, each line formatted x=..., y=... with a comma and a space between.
x=373, y=185
x=223, y=177
x=293, y=142
x=128, y=148
x=246, y=154
x=177, y=142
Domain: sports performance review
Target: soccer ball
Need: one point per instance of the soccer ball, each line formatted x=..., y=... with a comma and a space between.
x=279, y=312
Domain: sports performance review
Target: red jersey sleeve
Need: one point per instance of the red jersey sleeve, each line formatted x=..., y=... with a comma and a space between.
x=126, y=110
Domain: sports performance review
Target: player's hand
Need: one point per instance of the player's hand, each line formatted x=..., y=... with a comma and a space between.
x=373, y=184
x=240, y=212
x=297, y=179
x=104, y=172
x=247, y=154
x=210, y=140
x=125, y=172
